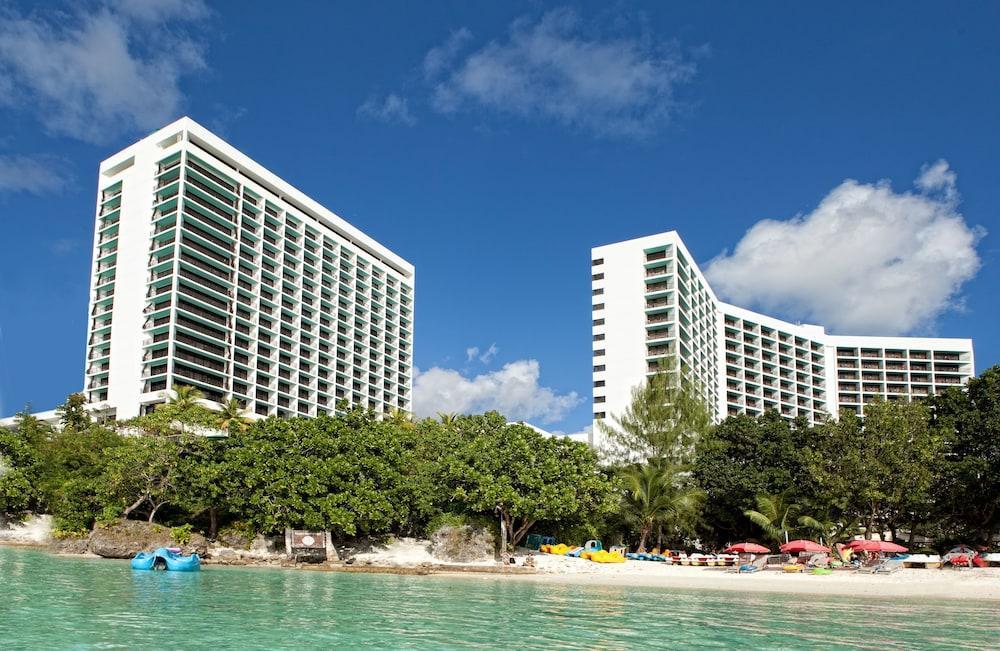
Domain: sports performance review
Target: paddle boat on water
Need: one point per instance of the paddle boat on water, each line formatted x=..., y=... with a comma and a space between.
x=166, y=558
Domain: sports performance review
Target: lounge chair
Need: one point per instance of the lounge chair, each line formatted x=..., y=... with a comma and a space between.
x=888, y=566
x=756, y=565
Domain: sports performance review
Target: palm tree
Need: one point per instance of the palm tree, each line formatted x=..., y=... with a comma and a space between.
x=185, y=397
x=656, y=494
x=233, y=414
x=831, y=531
x=775, y=515
x=447, y=418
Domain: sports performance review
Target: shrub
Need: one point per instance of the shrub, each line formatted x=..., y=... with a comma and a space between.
x=181, y=535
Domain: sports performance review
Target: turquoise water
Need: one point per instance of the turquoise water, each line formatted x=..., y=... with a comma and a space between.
x=49, y=602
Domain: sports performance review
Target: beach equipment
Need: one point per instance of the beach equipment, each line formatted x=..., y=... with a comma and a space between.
x=746, y=548
x=593, y=546
x=792, y=568
x=799, y=546
x=558, y=550
x=876, y=546
x=575, y=552
x=168, y=558
x=821, y=571
x=602, y=556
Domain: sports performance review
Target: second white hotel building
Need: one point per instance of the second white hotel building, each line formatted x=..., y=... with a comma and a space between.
x=651, y=303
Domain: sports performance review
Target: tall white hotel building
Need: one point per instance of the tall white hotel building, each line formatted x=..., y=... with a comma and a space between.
x=651, y=303
x=211, y=271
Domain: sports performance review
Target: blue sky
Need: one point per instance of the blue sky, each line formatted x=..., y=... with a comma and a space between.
x=493, y=144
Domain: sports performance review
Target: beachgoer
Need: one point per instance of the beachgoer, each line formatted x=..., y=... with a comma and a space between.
x=530, y=560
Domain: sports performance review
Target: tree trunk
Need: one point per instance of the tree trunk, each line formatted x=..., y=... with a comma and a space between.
x=642, y=537
x=213, y=527
x=152, y=514
x=913, y=533
x=134, y=506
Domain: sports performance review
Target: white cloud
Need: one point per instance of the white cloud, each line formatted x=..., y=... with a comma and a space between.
x=154, y=11
x=392, y=109
x=441, y=57
x=513, y=391
x=35, y=174
x=487, y=356
x=867, y=260
x=97, y=74
x=557, y=70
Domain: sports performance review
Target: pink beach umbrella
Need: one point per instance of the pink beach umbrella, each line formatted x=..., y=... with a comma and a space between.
x=876, y=546
x=746, y=548
x=797, y=546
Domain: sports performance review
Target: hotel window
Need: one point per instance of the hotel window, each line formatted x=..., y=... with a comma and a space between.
x=599, y=383
x=598, y=291
x=598, y=415
x=599, y=353
x=598, y=306
x=598, y=261
x=597, y=277
x=598, y=368
x=599, y=337
x=598, y=398
x=598, y=322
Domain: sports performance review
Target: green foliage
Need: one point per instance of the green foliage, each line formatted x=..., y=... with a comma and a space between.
x=523, y=477
x=73, y=413
x=341, y=474
x=659, y=494
x=665, y=418
x=181, y=535
x=73, y=463
x=19, y=468
x=143, y=474
x=880, y=473
x=744, y=457
x=968, y=486
x=775, y=515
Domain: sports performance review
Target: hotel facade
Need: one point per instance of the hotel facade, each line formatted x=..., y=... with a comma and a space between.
x=651, y=303
x=211, y=271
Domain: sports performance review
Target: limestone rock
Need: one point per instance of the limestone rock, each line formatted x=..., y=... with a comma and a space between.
x=126, y=538
x=462, y=544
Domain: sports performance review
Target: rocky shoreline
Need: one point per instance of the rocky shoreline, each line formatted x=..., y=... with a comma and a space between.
x=124, y=538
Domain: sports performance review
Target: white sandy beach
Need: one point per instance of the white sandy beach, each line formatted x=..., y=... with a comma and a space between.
x=972, y=584
x=950, y=583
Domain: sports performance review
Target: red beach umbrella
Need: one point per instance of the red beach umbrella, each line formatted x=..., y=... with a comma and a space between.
x=876, y=546
x=797, y=546
x=746, y=548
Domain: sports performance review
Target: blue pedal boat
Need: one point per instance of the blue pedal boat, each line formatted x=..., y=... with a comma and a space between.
x=166, y=559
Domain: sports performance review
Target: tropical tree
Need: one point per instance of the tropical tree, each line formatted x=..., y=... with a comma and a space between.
x=656, y=494
x=233, y=415
x=741, y=458
x=879, y=471
x=665, y=418
x=776, y=515
x=967, y=491
x=830, y=530
x=73, y=413
x=142, y=475
x=185, y=397
x=447, y=419
x=513, y=472
x=19, y=470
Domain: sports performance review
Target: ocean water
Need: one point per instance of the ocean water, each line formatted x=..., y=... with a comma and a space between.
x=49, y=602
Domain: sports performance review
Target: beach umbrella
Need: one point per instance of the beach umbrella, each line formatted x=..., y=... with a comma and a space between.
x=875, y=546
x=797, y=546
x=746, y=548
